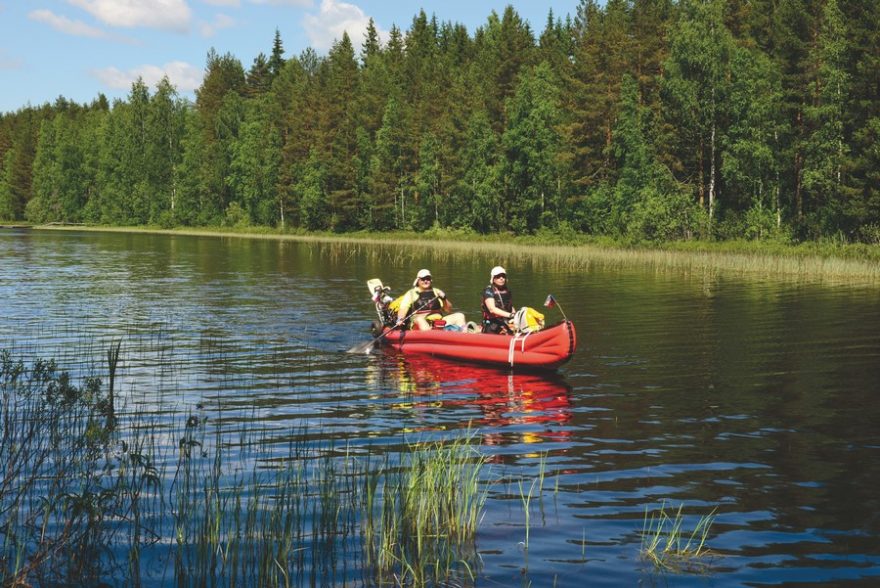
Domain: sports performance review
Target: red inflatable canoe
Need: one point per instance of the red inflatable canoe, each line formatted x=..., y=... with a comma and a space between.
x=545, y=349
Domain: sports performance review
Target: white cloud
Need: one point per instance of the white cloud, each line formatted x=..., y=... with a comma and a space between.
x=76, y=28
x=333, y=19
x=221, y=21
x=160, y=14
x=300, y=3
x=66, y=25
x=232, y=3
x=184, y=76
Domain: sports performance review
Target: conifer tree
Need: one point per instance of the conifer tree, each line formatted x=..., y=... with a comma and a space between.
x=276, y=58
x=6, y=211
x=696, y=84
x=532, y=143
x=389, y=182
x=752, y=162
x=259, y=76
x=255, y=163
x=18, y=163
x=825, y=149
x=478, y=194
x=313, y=196
x=338, y=134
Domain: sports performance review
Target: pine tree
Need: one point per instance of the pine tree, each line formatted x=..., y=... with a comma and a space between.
x=428, y=183
x=313, y=204
x=338, y=135
x=390, y=184
x=504, y=47
x=825, y=149
x=276, y=59
x=18, y=163
x=646, y=203
x=6, y=210
x=478, y=195
x=255, y=164
x=375, y=85
x=696, y=84
x=259, y=77
x=752, y=162
x=223, y=85
x=863, y=19
x=532, y=142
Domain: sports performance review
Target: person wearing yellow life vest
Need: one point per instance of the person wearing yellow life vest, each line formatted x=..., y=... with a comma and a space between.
x=497, y=303
x=423, y=301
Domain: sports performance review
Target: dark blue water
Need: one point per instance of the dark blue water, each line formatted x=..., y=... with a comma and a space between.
x=755, y=399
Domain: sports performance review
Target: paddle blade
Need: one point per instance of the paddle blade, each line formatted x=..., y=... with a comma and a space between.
x=365, y=347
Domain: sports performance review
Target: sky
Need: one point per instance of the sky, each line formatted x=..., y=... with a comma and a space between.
x=80, y=48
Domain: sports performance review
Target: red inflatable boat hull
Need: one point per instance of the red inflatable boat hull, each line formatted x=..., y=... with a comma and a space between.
x=545, y=349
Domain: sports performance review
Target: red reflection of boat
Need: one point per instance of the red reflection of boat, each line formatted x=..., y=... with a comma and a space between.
x=505, y=398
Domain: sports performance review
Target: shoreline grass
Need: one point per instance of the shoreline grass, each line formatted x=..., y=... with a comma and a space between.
x=828, y=262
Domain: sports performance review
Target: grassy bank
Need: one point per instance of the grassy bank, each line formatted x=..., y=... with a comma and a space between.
x=830, y=261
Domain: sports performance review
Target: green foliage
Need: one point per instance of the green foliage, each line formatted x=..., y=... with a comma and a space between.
x=621, y=120
x=6, y=200
x=313, y=199
x=532, y=142
x=64, y=485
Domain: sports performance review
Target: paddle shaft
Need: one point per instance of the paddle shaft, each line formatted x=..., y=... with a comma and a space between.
x=398, y=324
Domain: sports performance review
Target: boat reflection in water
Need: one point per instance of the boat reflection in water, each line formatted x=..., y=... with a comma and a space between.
x=529, y=407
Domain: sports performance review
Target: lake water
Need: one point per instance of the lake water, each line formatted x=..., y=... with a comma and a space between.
x=754, y=397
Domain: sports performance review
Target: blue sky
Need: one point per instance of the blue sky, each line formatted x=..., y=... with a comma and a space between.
x=79, y=48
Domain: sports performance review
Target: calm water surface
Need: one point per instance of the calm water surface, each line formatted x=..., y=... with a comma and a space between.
x=757, y=398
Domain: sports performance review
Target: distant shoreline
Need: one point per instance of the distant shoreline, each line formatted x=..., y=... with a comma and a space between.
x=786, y=262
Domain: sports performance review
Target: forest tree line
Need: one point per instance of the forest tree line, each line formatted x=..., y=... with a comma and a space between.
x=637, y=119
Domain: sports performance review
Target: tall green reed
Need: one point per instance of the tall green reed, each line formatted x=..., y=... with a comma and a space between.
x=86, y=496
x=668, y=546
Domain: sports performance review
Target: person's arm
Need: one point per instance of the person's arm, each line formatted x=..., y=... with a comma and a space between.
x=445, y=305
x=494, y=310
x=405, y=304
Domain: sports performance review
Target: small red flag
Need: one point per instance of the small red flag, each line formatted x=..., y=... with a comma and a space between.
x=550, y=302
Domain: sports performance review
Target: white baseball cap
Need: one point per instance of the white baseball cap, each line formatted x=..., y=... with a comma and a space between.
x=423, y=273
x=496, y=271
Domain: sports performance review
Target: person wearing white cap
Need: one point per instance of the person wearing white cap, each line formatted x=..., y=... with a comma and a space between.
x=497, y=303
x=423, y=301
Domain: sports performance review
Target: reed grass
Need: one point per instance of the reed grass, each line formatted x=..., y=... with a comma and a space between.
x=423, y=526
x=826, y=262
x=68, y=482
x=86, y=497
x=669, y=547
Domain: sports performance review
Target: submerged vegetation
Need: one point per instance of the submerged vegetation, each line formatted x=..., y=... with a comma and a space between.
x=82, y=499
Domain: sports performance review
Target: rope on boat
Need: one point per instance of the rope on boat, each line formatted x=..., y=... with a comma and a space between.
x=517, y=337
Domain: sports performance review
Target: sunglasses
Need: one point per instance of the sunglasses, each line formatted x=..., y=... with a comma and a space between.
x=426, y=279
x=500, y=276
